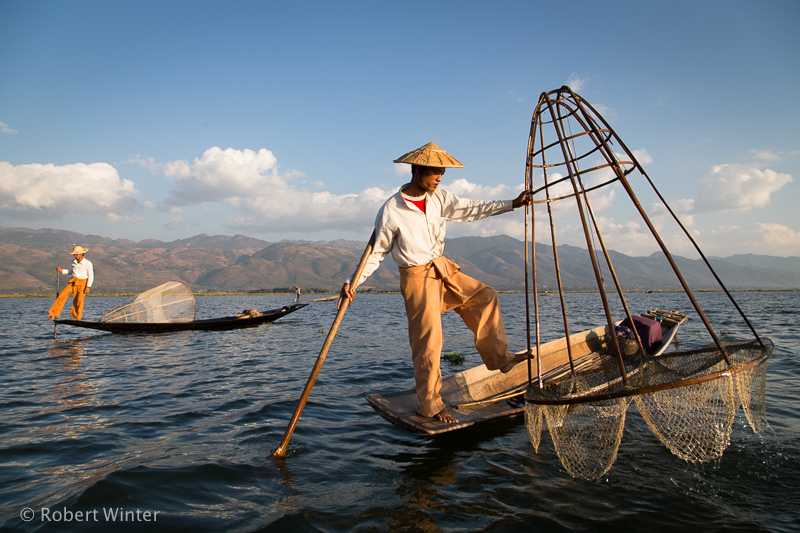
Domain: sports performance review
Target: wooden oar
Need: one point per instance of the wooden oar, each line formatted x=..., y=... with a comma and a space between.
x=58, y=289
x=280, y=451
x=328, y=299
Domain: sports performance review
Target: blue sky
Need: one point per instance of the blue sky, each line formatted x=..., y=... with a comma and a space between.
x=280, y=120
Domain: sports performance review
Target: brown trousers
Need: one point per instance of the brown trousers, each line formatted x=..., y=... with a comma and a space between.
x=435, y=288
x=74, y=287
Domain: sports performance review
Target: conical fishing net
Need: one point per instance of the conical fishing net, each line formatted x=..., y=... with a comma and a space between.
x=575, y=161
x=170, y=302
x=688, y=399
x=586, y=436
x=693, y=422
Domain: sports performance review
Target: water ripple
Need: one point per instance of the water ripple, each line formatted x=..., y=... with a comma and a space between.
x=184, y=424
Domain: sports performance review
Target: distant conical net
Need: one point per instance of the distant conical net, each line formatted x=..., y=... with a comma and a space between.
x=170, y=302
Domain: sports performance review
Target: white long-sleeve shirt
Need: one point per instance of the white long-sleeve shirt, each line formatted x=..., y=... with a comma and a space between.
x=82, y=270
x=416, y=238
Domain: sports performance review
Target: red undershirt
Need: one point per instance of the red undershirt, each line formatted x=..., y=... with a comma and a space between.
x=419, y=203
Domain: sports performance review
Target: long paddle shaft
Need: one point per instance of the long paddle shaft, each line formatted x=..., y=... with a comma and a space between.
x=58, y=289
x=280, y=452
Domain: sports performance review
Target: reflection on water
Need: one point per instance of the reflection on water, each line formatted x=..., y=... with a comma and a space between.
x=75, y=389
x=185, y=423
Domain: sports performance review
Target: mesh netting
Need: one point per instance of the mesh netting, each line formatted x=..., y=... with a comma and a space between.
x=751, y=387
x=693, y=422
x=688, y=399
x=533, y=419
x=596, y=426
x=170, y=302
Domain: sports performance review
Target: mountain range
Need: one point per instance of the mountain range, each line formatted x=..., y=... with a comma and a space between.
x=238, y=263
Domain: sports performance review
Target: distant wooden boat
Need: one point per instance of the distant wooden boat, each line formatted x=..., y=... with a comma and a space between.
x=480, y=395
x=244, y=320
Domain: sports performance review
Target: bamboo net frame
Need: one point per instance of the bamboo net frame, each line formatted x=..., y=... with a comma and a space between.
x=569, y=158
x=172, y=301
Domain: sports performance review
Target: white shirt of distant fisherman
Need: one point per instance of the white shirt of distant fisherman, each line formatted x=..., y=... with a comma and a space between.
x=415, y=237
x=82, y=270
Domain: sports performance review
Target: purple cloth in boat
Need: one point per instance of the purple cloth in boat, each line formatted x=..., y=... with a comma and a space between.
x=649, y=330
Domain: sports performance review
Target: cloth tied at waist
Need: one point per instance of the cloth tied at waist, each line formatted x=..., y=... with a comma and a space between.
x=439, y=268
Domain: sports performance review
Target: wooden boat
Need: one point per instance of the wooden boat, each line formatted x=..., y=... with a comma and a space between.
x=244, y=320
x=480, y=395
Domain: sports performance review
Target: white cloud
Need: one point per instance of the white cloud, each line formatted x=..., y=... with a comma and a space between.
x=266, y=200
x=36, y=191
x=464, y=189
x=226, y=175
x=5, y=128
x=765, y=155
x=768, y=156
x=642, y=156
x=511, y=224
x=562, y=198
x=401, y=169
x=727, y=188
x=303, y=211
x=516, y=97
x=575, y=82
x=759, y=238
x=780, y=237
x=732, y=187
x=147, y=162
x=173, y=222
x=115, y=217
x=604, y=110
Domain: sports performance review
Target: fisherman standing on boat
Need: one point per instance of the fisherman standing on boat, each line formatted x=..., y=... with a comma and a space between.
x=411, y=225
x=78, y=285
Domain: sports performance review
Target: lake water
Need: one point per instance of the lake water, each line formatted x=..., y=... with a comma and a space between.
x=183, y=425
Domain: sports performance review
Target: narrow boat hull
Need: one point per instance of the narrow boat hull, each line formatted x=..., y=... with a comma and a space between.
x=481, y=395
x=209, y=324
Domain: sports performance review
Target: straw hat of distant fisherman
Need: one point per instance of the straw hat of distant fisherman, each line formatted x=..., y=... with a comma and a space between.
x=79, y=250
x=430, y=155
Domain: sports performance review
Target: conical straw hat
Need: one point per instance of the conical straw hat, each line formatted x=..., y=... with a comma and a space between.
x=430, y=155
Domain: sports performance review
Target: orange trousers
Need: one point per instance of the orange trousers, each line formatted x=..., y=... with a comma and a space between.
x=75, y=288
x=435, y=288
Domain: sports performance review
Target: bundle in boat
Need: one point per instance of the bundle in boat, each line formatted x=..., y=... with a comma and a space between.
x=169, y=302
x=687, y=398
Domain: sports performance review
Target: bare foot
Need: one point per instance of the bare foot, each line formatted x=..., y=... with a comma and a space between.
x=444, y=416
x=518, y=358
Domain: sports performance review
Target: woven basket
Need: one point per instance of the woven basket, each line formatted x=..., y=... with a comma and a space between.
x=627, y=347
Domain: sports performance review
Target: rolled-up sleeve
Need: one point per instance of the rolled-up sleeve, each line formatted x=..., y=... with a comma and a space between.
x=384, y=238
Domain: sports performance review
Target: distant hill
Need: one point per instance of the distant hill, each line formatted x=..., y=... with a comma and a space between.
x=238, y=263
x=789, y=264
x=37, y=238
